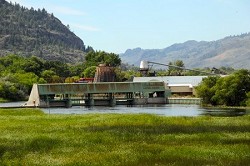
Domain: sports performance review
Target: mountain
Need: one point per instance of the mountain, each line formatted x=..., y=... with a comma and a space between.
x=231, y=51
x=29, y=32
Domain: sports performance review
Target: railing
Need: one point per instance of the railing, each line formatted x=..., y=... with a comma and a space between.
x=184, y=101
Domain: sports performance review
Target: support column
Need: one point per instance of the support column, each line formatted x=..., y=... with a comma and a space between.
x=90, y=100
x=47, y=101
x=112, y=100
x=68, y=103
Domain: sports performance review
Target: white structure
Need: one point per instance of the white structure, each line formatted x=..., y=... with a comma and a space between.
x=34, y=100
x=182, y=85
x=144, y=65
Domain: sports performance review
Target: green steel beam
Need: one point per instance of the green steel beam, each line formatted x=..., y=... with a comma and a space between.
x=102, y=87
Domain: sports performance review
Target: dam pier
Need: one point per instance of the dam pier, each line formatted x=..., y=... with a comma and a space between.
x=98, y=94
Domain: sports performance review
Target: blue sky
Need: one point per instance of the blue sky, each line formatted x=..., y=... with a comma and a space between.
x=117, y=25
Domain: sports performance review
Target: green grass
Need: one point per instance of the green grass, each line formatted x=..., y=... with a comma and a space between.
x=29, y=137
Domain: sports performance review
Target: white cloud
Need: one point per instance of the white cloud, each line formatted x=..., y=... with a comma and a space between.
x=67, y=11
x=85, y=27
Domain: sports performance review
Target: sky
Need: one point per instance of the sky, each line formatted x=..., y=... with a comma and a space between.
x=118, y=25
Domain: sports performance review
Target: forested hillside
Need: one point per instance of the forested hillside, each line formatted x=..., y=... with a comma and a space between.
x=36, y=32
x=231, y=51
x=18, y=74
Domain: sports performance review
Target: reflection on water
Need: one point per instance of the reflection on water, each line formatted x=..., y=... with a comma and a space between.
x=164, y=110
x=167, y=110
x=226, y=112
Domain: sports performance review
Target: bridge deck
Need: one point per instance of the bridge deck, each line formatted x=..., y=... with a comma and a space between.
x=90, y=93
x=97, y=88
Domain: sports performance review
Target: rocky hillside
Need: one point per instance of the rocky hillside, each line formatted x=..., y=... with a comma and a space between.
x=232, y=51
x=35, y=32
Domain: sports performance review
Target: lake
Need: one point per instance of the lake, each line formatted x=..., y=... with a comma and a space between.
x=163, y=110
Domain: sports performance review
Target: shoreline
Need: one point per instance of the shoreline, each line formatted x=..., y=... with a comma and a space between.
x=226, y=107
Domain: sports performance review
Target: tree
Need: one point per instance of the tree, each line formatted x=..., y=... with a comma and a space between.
x=71, y=79
x=231, y=90
x=10, y=89
x=179, y=63
x=170, y=68
x=176, y=68
x=206, y=90
x=100, y=57
x=33, y=64
x=48, y=75
x=26, y=80
x=61, y=69
x=90, y=72
x=89, y=49
x=77, y=70
x=248, y=99
x=68, y=26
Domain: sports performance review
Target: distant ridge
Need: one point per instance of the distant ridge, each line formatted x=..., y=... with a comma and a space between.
x=231, y=51
x=29, y=32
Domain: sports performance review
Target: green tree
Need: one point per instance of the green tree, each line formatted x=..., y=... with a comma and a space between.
x=170, y=68
x=248, y=99
x=48, y=75
x=77, y=70
x=10, y=89
x=206, y=90
x=121, y=75
x=26, y=80
x=100, y=57
x=33, y=64
x=72, y=79
x=56, y=79
x=90, y=72
x=61, y=69
x=231, y=90
x=175, y=68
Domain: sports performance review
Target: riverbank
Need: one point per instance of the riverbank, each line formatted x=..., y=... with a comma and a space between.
x=226, y=107
x=30, y=137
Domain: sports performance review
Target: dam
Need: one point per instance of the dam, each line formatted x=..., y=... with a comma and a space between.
x=98, y=94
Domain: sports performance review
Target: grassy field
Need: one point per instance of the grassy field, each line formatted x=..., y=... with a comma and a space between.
x=30, y=137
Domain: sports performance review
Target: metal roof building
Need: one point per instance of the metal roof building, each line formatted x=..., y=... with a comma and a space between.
x=182, y=85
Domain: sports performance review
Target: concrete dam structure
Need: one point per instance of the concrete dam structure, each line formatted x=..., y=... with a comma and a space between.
x=95, y=94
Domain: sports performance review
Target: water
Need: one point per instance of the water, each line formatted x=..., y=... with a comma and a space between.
x=164, y=110
x=12, y=104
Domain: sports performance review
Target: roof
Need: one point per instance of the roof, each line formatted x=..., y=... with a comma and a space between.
x=174, y=80
x=189, y=85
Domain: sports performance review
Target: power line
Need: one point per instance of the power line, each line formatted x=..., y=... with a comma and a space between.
x=183, y=68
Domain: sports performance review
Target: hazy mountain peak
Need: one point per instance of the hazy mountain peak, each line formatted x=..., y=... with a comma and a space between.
x=231, y=51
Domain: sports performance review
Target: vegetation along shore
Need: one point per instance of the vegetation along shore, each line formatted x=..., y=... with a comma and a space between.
x=30, y=137
x=37, y=48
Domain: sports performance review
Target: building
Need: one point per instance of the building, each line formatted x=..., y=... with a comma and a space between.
x=181, y=85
